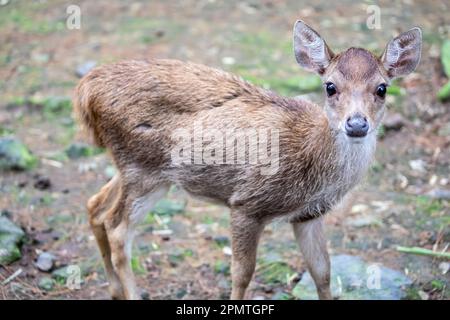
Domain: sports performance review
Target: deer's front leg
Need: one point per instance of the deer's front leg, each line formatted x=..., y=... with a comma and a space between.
x=313, y=246
x=245, y=233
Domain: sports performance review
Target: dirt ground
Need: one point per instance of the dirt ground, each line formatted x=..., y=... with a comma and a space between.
x=39, y=56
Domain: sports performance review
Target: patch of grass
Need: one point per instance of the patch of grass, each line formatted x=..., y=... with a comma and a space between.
x=275, y=272
x=51, y=107
x=178, y=255
x=47, y=200
x=25, y=20
x=60, y=220
x=427, y=205
x=5, y=131
x=5, y=59
x=261, y=43
x=80, y=150
x=412, y=293
x=430, y=213
x=148, y=31
x=438, y=284
x=136, y=265
x=222, y=267
x=286, y=86
x=150, y=218
x=208, y=220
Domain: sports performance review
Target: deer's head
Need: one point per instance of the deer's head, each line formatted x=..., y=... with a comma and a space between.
x=355, y=81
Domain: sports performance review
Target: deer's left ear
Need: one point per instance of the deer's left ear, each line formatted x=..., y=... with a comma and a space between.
x=402, y=54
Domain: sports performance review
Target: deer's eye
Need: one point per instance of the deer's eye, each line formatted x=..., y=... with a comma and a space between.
x=331, y=88
x=381, y=90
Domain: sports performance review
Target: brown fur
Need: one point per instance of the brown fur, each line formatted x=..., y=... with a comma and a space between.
x=132, y=108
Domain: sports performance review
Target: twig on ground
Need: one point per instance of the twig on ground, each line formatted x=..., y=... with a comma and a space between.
x=423, y=251
x=12, y=277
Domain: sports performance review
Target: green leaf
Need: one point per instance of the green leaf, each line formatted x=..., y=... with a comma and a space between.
x=394, y=90
x=444, y=92
x=445, y=57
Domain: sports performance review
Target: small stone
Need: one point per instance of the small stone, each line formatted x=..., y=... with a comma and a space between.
x=84, y=68
x=180, y=293
x=163, y=232
x=228, y=61
x=227, y=251
x=258, y=298
x=145, y=295
x=160, y=33
x=423, y=295
x=360, y=208
x=46, y=283
x=45, y=261
x=418, y=165
x=110, y=171
x=444, y=267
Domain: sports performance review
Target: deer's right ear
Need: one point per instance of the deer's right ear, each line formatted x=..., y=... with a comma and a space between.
x=311, y=51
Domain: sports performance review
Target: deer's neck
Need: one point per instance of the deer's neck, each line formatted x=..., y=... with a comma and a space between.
x=344, y=158
x=336, y=162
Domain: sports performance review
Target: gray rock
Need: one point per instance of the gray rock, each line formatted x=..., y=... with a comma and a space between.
x=45, y=261
x=85, y=67
x=11, y=237
x=354, y=279
x=14, y=155
x=439, y=194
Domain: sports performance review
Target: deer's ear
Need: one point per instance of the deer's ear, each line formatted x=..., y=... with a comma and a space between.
x=311, y=51
x=402, y=54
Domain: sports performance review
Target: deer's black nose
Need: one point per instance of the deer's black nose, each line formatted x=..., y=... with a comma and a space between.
x=356, y=126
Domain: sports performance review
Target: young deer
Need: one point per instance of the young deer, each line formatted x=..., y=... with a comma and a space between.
x=134, y=109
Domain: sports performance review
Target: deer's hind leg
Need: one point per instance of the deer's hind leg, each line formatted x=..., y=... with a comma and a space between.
x=98, y=207
x=134, y=201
